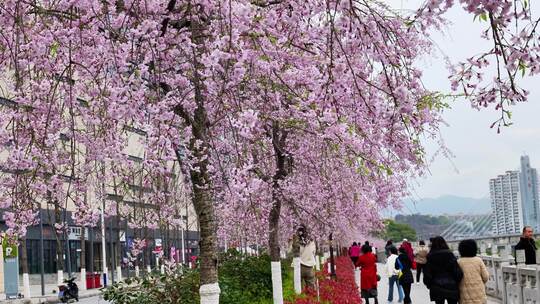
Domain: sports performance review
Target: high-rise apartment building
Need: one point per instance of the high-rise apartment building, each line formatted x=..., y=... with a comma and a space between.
x=506, y=203
x=530, y=204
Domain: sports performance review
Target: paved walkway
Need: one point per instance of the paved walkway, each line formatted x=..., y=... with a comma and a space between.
x=419, y=292
x=50, y=297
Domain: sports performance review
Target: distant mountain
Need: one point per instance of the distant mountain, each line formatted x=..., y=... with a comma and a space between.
x=447, y=204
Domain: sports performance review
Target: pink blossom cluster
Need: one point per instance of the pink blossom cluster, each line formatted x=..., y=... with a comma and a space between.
x=491, y=78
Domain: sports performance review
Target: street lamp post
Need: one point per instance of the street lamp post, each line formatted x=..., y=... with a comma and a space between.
x=41, y=263
x=103, y=245
x=111, y=250
x=183, y=248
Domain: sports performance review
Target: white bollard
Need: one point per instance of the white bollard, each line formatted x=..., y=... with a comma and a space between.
x=137, y=271
x=357, y=277
x=297, y=276
x=277, y=285
x=148, y=269
x=26, y=286
x=82, y=285
x=209, y=293
x=105, y=276
x=60, y=277
x=119, y=273
x=162, y=269
x=317, y=263
x=330, y=268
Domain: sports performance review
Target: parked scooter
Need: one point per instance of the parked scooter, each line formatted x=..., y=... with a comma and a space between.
x=68, y=292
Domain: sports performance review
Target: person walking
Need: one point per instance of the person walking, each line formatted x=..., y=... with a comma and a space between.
x=389, y=245
x=410, y=252
x=472, y=289
x=404, y=264
x=442, y=274
x=392, y=273
x=527, y=243
x=420, y=258
x=368, y=275
x=354, y=252
x=307, y=251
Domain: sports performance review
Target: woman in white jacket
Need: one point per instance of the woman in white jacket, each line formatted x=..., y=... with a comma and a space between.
x=393, y=276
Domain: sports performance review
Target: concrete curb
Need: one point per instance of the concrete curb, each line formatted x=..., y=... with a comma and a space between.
x=49, y=299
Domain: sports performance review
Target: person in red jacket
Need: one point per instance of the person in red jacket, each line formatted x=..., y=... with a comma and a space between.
x=409, y=250
x=368, y=276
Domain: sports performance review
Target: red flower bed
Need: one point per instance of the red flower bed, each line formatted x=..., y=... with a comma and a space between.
x=343, y=290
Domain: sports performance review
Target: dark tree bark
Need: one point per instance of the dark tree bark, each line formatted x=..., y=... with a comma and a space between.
x=24, y=255
x=279, y=138
x=202, y=198
x=58, y=235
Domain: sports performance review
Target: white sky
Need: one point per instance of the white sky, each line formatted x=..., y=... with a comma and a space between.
x=480, y=153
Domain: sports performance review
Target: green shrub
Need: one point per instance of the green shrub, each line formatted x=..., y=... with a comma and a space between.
x=174, y=287
x=242, y=279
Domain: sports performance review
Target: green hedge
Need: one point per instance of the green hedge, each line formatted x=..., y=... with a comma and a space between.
x=242, y=280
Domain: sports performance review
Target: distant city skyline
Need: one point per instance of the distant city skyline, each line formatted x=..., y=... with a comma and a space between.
x=478, y=152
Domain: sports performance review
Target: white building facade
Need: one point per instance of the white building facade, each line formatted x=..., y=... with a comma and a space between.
x=506, y=203
x=529, y=194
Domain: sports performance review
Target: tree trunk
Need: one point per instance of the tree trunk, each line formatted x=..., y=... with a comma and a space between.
x=59, y=247
x=200, y=179
x=273, y=237
x=208, y=240
x=279, y=138
x=118, y=244
x=24, y=255
x=24, y=262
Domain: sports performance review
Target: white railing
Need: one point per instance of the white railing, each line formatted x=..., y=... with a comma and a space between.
x=521, y=284
x=512, y=284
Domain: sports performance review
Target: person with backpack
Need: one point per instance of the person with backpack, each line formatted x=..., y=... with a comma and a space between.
x=442, y=274
x=404, y=264
x=410, y=252
x=393, y=273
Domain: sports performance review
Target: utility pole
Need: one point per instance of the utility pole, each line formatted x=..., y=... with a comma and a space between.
x=68, y=252
x=183, y=248
x=91, y=266
x=111, y=249
x=41, y=263
x=103, y=245
x=66, y=241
